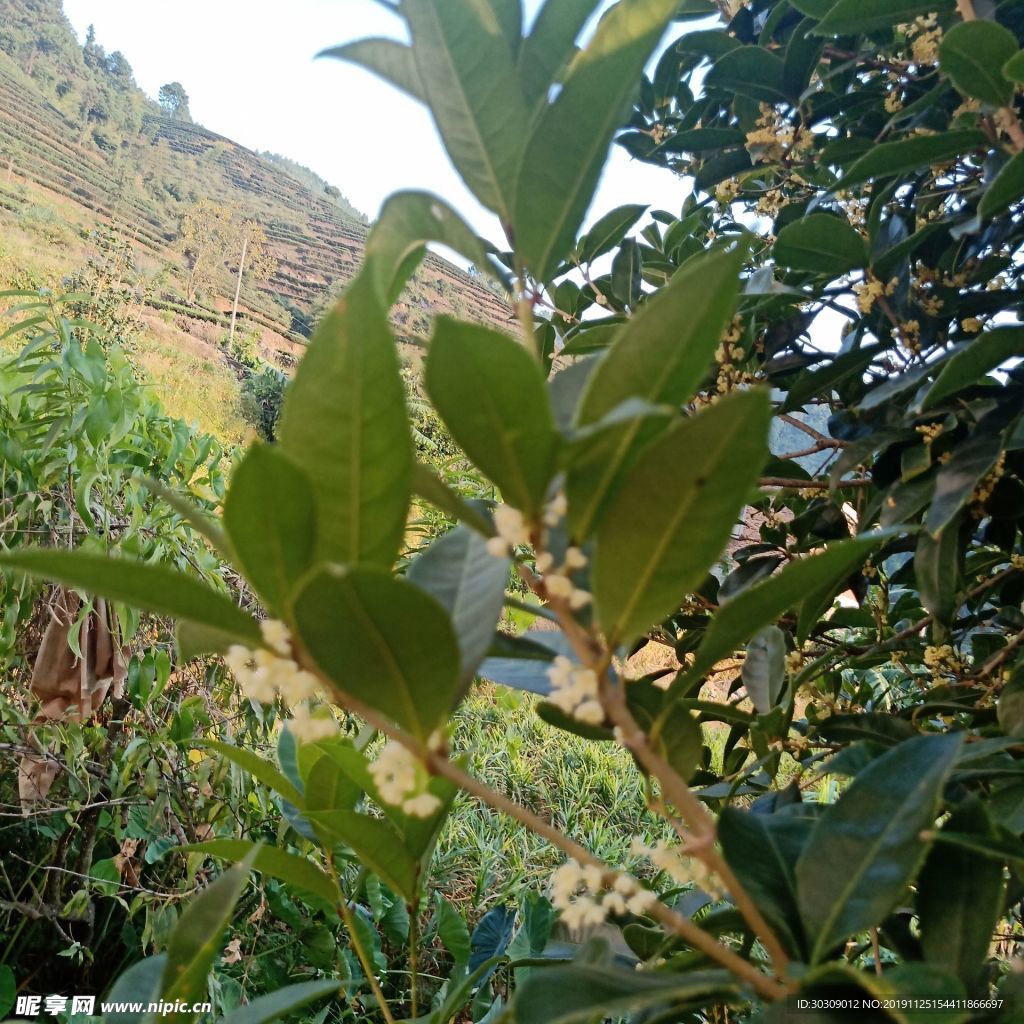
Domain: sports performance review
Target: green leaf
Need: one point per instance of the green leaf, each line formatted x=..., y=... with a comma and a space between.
x=820, y=244
x=344, y=423
x=387, y=59
x=626, y=272
x=762, y=849
x=550, y=45
x=282, y=1003
x=610, y=230
x=193, y=640
x=256, y=766
x=382, y=640
x=197, y=938
x=397, y=243
x=1014, y=68
x=377, y=844
x=873, y=833
x=1006, y=188
x=471, y=87
x=200, y=521
x=750, y=71
x=813, y=8
x=662, y=531
x=854, y=17
x=956, y=480
x=889, y=159
x=937, y=571
x=580, y=993
x=8, y=990
x=452, y=930
x=139, y=984
x=469, y=583
x=270, y=515
x=960, y=900
x=764, y=668
x=764, y=602
x=154, y=588
x=973, y=54
x=1010, y=707
x=660, y=356
x=986, y=352
x=288, y=867
x=569, y=143
x=492, y=396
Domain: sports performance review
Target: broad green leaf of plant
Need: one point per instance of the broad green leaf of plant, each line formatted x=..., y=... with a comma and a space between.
x=344, y=423
x=1006, y=188
x=960, y=899
x=280, y=864
x=270, y=515
x=978, y=357
x=550, y=45
x=957, y=478
x=282, y=1003
x=259, y=768
x=470, y=83
x=820, y=244
x=568, y=144
x=397, y=243
x=973, y=54
x=154, y=588
x=762, y=849
x=660, y=356
x=139, y=984
x=848, y=17
x=764, y=602
x=579, y=993
x=197, y=937
x=383, y=641
x=889, y=159
x=751, y=71
x=873, y=833
x=492, y=396
x=610, y=230
x=663, y=530
x=469, y=582
x=377, y=845
x=764, y=668
x=937, y=571
x=387, y=59
x=452, y=930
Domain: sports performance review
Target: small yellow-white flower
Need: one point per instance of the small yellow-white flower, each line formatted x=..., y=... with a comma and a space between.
x=513, y=531
x=402, y=781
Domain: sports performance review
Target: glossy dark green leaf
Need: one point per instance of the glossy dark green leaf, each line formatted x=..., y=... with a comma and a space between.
x=1014, y=67
x=139, y=984
x=452, y=929
x=288, y=867
x=384, y=641
x=259, y=768
x=848, y=17
x=973, y=54
x=662, y=531
x=344, y=423
x=491, y=394
x=154, y=588
x=937, y=571
x=610, y=230
x=660, y=356
x=762, y=849
x=1010, y=707
x=764, y=668
x=579, y=993
x=387, y=59
x=971, y=462
x=282, y=1003
x=959, y=900
x=568, y=145
x=750, y=71
x=469, y=582
x=626, y=269
x=764, y=602
x=270, y=516
x=905, y=156
x=873, y=832
x=813, y=8
x=470, y=83
x=820, y=244
x=197, y=937
x=981, y=355
x=550, y=45
x=1006, y=188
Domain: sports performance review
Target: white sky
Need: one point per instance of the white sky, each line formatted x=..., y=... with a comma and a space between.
x=248, y=68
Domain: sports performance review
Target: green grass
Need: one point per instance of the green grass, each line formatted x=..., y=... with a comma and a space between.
x=591, y=791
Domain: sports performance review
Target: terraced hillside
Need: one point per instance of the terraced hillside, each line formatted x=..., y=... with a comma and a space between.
x=74, y=125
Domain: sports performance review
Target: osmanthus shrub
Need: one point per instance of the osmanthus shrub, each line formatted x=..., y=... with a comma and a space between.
x=814, y=367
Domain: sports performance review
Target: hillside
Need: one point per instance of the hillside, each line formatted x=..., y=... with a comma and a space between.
x=81, y=144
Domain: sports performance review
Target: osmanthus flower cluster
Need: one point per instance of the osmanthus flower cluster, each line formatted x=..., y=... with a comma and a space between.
x=586, y=894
